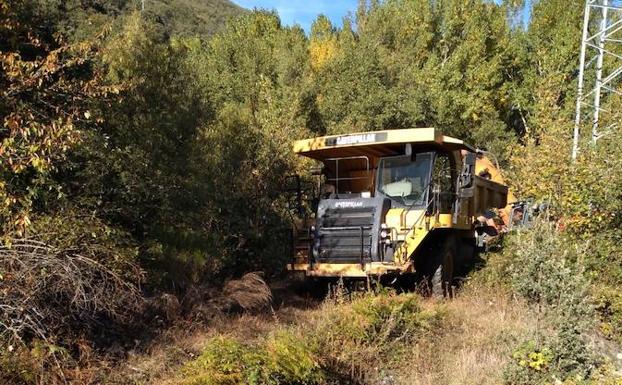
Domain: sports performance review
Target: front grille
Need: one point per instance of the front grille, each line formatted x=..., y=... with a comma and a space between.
x=346, y=235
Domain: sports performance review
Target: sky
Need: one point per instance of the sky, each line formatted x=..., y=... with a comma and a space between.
x=303, y=12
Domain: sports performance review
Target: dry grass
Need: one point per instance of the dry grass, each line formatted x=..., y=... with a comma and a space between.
x=478, y=331
x=159, y=364
x=482, y=327
x=249, y=293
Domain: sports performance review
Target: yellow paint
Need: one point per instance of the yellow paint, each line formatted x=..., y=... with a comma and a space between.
x=484, y=165
x=400, y=220
x=352, y=270
x=393, y=219
x=412, y=240
x=409, y=135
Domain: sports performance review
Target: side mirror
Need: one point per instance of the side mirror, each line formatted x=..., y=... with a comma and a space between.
x=465, y=181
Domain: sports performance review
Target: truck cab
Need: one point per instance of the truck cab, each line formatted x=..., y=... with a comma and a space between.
x=392, y=202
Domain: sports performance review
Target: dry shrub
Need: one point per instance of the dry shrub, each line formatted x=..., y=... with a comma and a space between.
x=249, y=293
x=202, y=304
x=45, y=290
x=164, y=307
x=58, y=300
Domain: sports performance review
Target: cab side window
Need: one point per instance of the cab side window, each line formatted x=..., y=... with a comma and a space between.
x=443, y=177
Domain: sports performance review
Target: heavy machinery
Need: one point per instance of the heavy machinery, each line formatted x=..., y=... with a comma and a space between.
x=393, y=203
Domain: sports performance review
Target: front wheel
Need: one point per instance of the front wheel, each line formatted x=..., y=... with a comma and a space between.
x=442, y=274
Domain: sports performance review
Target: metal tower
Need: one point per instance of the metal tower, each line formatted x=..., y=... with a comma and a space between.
x=602, y=23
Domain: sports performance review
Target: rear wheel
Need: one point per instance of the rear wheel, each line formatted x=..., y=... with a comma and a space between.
x=442, y=274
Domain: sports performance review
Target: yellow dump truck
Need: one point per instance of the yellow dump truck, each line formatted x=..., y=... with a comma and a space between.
x=392, y=203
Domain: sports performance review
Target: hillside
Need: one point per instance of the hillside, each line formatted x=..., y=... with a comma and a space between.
x=175, y=17
x=192, y=17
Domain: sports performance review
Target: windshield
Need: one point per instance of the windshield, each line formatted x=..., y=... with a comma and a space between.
x=403, y=179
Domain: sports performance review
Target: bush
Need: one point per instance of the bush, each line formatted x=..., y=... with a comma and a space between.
x=546, y=269
x=609, y=306
x=350, y=335
x=282, y=358
x=530, y=364
x=17, y=366
x=67, y=284
x=376, y=318
x=335, y=346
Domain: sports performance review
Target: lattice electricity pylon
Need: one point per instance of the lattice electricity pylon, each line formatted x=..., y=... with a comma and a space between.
x=601, y=40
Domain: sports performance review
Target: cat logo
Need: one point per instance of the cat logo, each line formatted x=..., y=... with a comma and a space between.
x=351, y=205
x=356, y=139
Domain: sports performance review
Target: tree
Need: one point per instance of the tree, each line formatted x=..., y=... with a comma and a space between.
x=421, y=63
x=46, y=86
x=255, y=74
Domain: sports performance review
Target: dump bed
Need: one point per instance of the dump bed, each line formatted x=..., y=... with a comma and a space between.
x=487, y=195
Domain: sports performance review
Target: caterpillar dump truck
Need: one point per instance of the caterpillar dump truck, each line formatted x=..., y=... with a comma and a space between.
x=392, y=203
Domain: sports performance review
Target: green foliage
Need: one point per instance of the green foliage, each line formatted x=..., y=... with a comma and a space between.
x=349, y=335
x=550, y=276
x=252, y=74
x=530, y=365
x=339, y=342
x=372, y=319
x=414, y=64
x=608, y=302
x=197, y=150
x=544, y=90
x=44, y=99
x=584, y=197
x=192, y=18
x=147, y=147
x=282, y=358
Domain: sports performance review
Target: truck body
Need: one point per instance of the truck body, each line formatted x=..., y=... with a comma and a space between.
x=393, y=202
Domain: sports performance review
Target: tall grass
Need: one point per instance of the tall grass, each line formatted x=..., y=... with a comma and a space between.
x=357, y=340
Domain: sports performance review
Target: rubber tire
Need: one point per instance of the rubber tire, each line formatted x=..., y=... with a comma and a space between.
x=442, y=272
x=466, y=257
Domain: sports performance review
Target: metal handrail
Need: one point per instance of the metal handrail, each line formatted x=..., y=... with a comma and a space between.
x=336, y=160
x=426, y=190
x=418, y=219
x=341, y=228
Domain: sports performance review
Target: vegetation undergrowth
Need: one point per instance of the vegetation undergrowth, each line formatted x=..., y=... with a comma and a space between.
x=547, y=268
x=147, y=154
x=335, y=344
